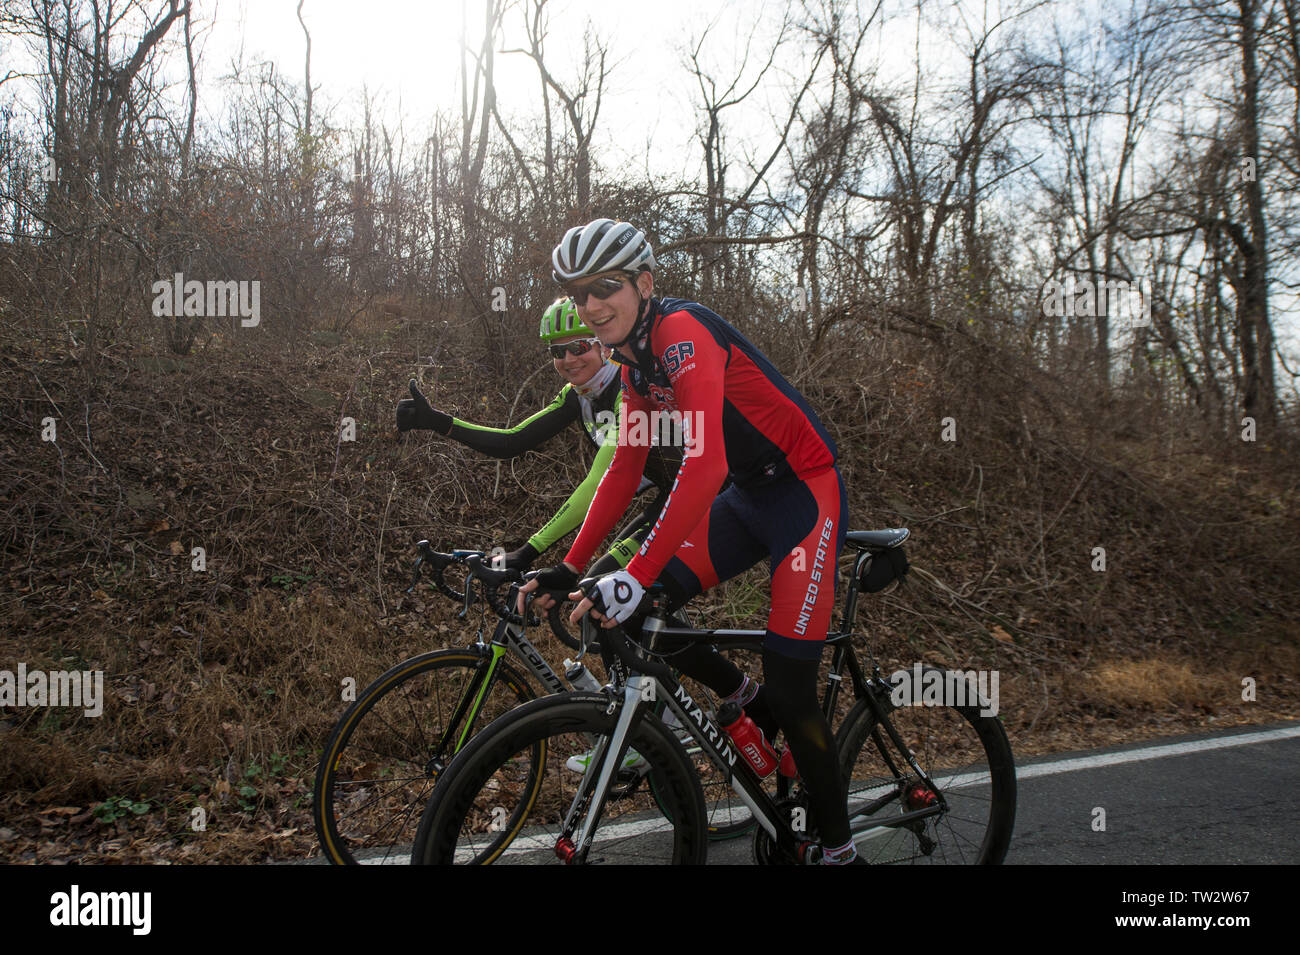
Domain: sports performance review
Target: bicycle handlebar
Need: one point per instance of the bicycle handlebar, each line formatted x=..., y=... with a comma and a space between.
x=438, y=563
x=493, y=581
x=616, y=640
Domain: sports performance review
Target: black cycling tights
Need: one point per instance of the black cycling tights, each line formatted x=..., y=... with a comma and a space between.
x=788, y=699
x=790, y=688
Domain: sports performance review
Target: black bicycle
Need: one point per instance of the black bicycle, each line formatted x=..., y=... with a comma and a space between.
x=929, y=780
x=394, y=741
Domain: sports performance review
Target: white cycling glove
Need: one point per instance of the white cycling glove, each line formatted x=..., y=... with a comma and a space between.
x=621, y=593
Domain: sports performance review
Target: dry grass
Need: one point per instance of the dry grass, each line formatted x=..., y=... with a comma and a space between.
x=1151, y=684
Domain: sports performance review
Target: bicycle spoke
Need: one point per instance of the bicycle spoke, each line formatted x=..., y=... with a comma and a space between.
x=947, y=812
x=467, y=817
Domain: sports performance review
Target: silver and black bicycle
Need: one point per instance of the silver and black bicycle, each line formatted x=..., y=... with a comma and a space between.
x=926, y=783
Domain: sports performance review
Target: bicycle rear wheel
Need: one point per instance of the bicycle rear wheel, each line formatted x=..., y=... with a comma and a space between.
x=391, y=745
x=483, y=812
x=967, y=785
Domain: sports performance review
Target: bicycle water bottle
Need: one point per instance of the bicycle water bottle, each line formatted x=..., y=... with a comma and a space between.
x=749, y=739
x=580, y=677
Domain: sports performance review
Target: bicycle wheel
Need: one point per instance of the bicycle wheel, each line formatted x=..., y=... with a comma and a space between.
x=474, y=815
x=557, y=617
x=967, y=759
x=393, y=742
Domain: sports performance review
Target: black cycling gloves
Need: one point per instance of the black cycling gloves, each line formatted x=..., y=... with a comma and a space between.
x=415, y=412
x=558, y=577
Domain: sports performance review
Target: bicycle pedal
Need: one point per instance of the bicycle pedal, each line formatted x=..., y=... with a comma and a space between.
x=808, y=853
x=627, y=782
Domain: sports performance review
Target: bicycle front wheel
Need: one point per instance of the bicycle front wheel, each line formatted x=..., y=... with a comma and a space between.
x=483, y=812
x=391, y=745
x=960, y=807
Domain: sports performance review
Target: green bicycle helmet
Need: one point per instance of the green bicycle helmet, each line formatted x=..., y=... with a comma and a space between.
x=560, y=320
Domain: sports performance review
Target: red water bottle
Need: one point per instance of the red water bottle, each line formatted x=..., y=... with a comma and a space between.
x=749, y=739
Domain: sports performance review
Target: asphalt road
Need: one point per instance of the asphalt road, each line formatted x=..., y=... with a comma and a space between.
x=1225, y=798
x=1211, y=799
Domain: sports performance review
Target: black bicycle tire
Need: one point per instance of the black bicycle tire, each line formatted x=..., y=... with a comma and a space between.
x=856, y=733
x=553, y=618
x=333, y=844
x=563, y=714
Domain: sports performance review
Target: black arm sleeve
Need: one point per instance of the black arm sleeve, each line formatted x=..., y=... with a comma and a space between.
x=528, y=434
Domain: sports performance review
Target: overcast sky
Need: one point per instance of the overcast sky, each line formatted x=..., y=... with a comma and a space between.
x=408, y=52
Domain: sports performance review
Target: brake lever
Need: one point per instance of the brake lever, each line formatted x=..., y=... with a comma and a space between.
x=415, y=577
x=469, y=597
x=586, y=627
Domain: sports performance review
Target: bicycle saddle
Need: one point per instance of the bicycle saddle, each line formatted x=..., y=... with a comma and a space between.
x=877, y=540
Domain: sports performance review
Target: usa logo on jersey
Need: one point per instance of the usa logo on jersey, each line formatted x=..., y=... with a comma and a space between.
x=676, y=355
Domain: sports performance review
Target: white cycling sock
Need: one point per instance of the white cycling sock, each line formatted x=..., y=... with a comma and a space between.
x=841, y=855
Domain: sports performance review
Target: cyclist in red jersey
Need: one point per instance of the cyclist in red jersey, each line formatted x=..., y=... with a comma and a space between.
x=740, y=419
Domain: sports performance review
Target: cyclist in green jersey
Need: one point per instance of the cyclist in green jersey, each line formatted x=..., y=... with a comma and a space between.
x=591, y=398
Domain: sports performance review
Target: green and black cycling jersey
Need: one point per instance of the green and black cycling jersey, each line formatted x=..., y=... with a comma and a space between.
x=596, y=408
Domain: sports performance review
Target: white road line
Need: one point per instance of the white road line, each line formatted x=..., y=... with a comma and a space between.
x=1153, y=752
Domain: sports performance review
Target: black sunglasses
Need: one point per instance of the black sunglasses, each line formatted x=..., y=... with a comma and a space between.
x=580, y=347
x=601, y=288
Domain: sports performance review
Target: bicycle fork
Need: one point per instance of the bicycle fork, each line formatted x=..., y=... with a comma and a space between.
x=604, y=763
x=467, y=710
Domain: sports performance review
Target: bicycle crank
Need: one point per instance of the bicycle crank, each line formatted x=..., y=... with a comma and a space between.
x=625, y=784
x=768, y=852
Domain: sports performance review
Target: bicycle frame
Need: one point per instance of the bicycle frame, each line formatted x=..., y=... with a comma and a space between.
x=842, y=656
x=641, y=688
x=506, y=637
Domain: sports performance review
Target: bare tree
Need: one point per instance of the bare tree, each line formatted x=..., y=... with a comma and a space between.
x=713, y=101
x=1220, y=194
x=580, y=102
x=1124, y=73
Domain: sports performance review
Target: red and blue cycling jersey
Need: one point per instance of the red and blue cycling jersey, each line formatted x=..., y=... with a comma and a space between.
x=742, y=417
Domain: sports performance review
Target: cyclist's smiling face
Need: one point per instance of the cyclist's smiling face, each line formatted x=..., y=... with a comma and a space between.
x=611, y=319
x=578, y=369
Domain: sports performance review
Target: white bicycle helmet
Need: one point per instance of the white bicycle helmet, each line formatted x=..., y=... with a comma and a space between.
x=601, y=246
